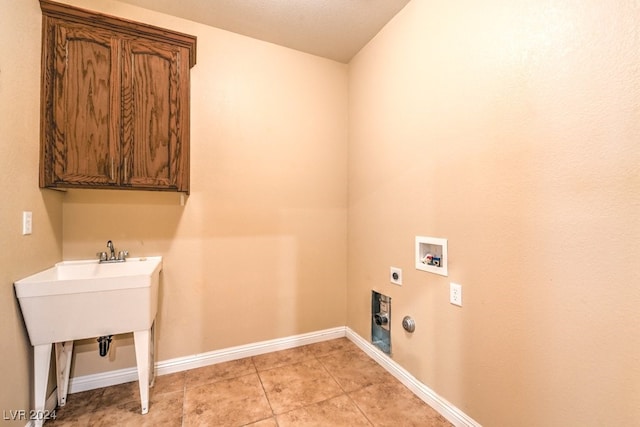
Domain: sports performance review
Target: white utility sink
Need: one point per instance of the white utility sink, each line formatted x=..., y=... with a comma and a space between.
x=85, y=299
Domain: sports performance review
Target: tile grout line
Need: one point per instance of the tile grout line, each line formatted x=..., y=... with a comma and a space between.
x=359, y=409
x=264, y=391
x=317, y=359
x=342, y=388
x=184, y=400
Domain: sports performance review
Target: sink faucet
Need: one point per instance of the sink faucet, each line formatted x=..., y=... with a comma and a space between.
x=112, y=250
x=111, y=256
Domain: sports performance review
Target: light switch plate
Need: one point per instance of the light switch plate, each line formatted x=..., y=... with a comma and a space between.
x=27, y=222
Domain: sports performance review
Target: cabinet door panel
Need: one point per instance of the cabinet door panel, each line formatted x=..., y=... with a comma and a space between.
x=85, y=106
x=152, y=114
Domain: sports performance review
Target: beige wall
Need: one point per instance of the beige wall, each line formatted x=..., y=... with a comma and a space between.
x=258, y=251
x=19, y=143
x=512, y=129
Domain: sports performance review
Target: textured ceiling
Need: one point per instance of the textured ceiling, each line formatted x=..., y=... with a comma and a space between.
x=334, y=29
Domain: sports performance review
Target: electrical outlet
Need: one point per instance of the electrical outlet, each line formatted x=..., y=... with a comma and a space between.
x=27, y=222
x=455, y=294
x=395, y=275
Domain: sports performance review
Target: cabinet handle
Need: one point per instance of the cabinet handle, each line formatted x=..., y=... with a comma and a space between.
x=112, y=170
x=126, y=169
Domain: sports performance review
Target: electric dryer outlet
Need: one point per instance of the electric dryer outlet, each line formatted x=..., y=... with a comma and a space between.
x=395, y=275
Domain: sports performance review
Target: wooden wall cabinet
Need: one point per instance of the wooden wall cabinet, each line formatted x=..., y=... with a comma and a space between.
x=115, y=102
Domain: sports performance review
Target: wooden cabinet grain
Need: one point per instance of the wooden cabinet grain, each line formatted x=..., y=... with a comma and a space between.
x=115, y=102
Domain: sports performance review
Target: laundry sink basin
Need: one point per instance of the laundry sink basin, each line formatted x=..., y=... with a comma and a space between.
x=84, y=299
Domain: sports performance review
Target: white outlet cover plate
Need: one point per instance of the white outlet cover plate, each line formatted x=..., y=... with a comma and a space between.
x=397, y=279
x=455, y=294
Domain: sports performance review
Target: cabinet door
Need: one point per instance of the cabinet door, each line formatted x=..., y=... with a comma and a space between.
x=155, y=115
x=80, y=130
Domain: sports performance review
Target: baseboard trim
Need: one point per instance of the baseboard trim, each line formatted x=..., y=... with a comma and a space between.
x=454, y=415
x=240, y=352
x=105, y=379
x=120, y=376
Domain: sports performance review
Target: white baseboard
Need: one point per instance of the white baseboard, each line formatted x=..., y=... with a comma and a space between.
x=445, y=408
x=454, y=415
x=240, y=352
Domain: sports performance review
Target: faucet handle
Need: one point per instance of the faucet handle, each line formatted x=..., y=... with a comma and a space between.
x=123, y=255
x=102, y=256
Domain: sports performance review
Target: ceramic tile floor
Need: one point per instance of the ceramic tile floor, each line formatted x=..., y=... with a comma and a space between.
x=331, y=383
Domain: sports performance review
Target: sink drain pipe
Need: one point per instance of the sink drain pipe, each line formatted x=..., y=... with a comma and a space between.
x=104, y=343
